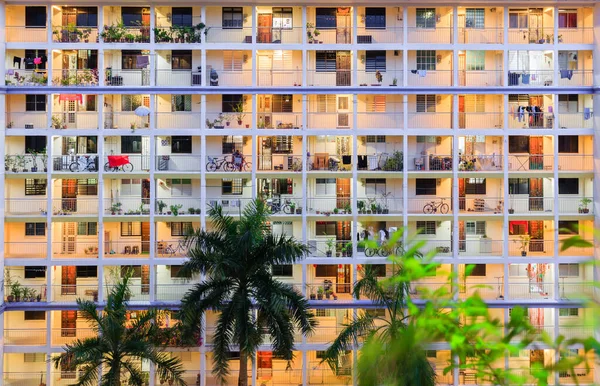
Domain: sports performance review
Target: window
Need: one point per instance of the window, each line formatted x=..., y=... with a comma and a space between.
x=325, y=186
x=233, y=60
x=37, y=144
x=286, y=270
x=475, y=18
x=378, y=269
x=181, y=60
x=326, y=270
x=375, y=138
x=129, y=62
x=475, y=60
x=568, y=186
x=282, y=186
x=35, y=315
x=568, y=312
x=518, y=19
x=180, y=187
x=567, y=18
x=31, y=357
x=181, y=228
x=326, y=61
x=35, y=229
x=568, y=227
x=131, y=187
x=34, y=272
x=131, y=229
x=376, y=312
x=131, y=144
x=181, y=103
x=132, y=16
x=478, y=270
x=132, y=102
x=232, y=186
x=35, y=187
x=568, y=144
x=326, y=18
x=35, y=102
x=134, y=270
x=425, y=103
x=86, y=16
x=181, y=144
x=86, y=271
x=35, y=16
x=283, y=103
x=283, y=18
x=87, y=187
x=181, y=16
x=87, y=229
x=30, y=55
x=375, y=61
x=426, y=186
x=176, y=272
x=326, y=228
x=229, y=102
x=517, y=270
x=374, y=18
x=518, y=185
x=426, y=60
x=568, y=103
x=475, y=186
x=232, y=143
x=568, y=270
x=518, y=144
x=233, y=17
x=475, y=228
x=426, y=227
x=517, y=228
x=375, y=187
x=426, y=18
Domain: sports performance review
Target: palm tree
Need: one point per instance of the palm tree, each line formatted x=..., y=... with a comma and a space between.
x=380, y=362
x=236, y=259
x=118, y=349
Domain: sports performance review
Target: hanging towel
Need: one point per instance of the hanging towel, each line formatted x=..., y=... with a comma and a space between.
x=142, y=61
x=568, y=74
x=10, y=72
x=586, y=113
x=422, y=73
x=17, y=60
x=526, y=78
x=550, y=109
x=413, y=71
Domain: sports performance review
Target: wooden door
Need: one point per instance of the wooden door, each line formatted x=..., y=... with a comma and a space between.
x=536, y=151
x=462, y=66
x=265, y=23
x=68, y=323
x=536, y=233
x=461, y=112
x=69, y=238
x=265, y=67
x=536, y=194
x=69, y=195
x=342, y=188
x=343, y=26
x=343, y=279
x=68, y=280
x=462, y=237
x=343, y=74
x=145, y=237
x=145, y=279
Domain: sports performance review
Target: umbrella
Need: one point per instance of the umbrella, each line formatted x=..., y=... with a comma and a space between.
x=142, y=111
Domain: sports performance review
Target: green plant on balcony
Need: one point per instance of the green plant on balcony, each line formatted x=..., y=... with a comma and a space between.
x=238, y=109
x=360, y=204
x=43, y=154
x=116, y=208
x=57, y=122
x=395, y=162
x=21, y=162
x=524, y=240
x=312, y=33
x=9, y=163
x=348, y=208
x=384, y=199
x=378, y=76
x=175, y=209
x=583, y=205
x=16, y=291
x=160, y=206
x=34, y=157
x=330, y=243
x=320, y=293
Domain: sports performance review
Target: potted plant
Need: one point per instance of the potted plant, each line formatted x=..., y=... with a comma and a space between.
x=312, y=296
x=34, y=156
x=330, y=243
x=336, y=211
x=328, y=294
x=394, y=82
x=299, y=210
x=292, y=207
x=21, y=162
x=191, y=211
x=160, y=205
x=116, y=208
x=238, y=109
x=335, y=297
x=8, y=163
x=348, y=247
x=360, y=247
x=320, y=292
x=384, y=197
x=175, y=209
x=485, y=245
x=348, y=208
x=379, y=78
x=16, y=290
x=361, y=206
x=524, y=244
x=44, y=157
x=583, y=203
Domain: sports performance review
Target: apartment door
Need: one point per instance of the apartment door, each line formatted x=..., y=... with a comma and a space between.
x=145, y=237
x=265, y=22
x=536, y=151
x=536, y=195
x=69, y=238
x=342, y=64
x=343, y=26
x=462, y=237
x=68, y=323
x=462, y=66
x=343, y=112
x=145, y=279
x=265, y=108
x=265, y=68
x=342, y=189
x=146, y=153
x=68, y=280
x=69, y=195
x=536, y=25
x=265, y=161
x=343, y=279
x=461, y=112
x=536, y=234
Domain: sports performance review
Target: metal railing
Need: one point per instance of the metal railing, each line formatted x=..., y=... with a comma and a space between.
x=63, y=336
x=130, y=77
x=531, y=290
x=438, y=35
x=386, y=120
x=579, y=35
x=219, y=34
x=220, y=120
x=530, y=35
x=377, y=36
x=74, y=77
x=75, y=120
x=533, y=248
x=389, y=77
x=481, y=247
x=480, y=78
x=77, y=163
x=442, y=248
x=129, y=206
x=178, y=78
x=430, y=78
x=74, y=34
x=386, y=162
x=230, y=205
x=24, y=163
x=525, y=120
x=522, y=204
x=178, y=163
x=575, y=162
x=74, y=206
x=139, y=292
x=227, y=163
x=432, y=205
x=340, y=120
x=379, y=205
x=576, y=251
x=576, y=78
x=278, y=78
x=25, y=206
x=279, y=162
x=321, y=248
x=27, y=120
x=70, y=293
x=135, y=248
x=190, y=206
x=338, y=78
x=22, y=34
x=25, y=336
x=25, y=250
x=531, y=78
x=125, y=120
x=27, y=78
x=339, y=35
x=272, y=35
x=488, y=205
x=581, y=120
x=480, y=162
x=429, y=162
x=330, y=162
x=133, y=34
x=171, y=248
x=217, y=77
x=75, y=249
x=574, y=205
x=139, y=164
x=480, y=120
x=178, y=120
x=279, y=120
x=530, y=162
x=480, y=35
x=441, y=120
x=173, y=292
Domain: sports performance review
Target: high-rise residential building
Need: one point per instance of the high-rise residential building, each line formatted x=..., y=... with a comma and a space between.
x=122, y=124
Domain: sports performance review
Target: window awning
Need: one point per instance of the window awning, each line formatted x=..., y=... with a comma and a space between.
x=70, y=97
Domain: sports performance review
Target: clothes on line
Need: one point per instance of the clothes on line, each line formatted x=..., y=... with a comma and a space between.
x=513, y=78
x=142, y=61
x=526, y=78
x=422, y=73
x=587, y=113
x=568, y=74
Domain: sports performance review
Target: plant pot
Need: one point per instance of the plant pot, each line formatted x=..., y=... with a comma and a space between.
x=386, y=211
x=169, y=212
x=14, y=170
x=313, y=297
x=511, y=211
x=523, y=253
x=349, y=253
x=239, y=122
x=34, y=169
x=10, y=298
x=45, y=170
x=328, y=253
x=247, y=126
x=586, y=210
x=369, y=212
x=319, y=296
x=298, y=210
x=335, y=297
x=227, y=123
x=327, y=296
x=344, y=254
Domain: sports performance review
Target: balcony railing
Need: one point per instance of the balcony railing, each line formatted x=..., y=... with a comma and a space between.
x=378, y=36
x=338, y=78
x=75, y=120
x=75, y=249
x=138, y=163
x=389, y=77
x=531, y=290
x=429, y=162
x=530, y=162
x=129, y=206
x=70, y=293
x=74, y=34
x=25, y=336
x=129, y=34
x=484, y=205
x=480, y=162
x=173, y=292
x=329, y=162
x=178, y=163
x=437, y=35
x=227, y=163
x=535, y=248
x=574, y=205
x=131, y=77
x=430, y=78
x=190, y=206
x=22, y=250
x=63, y=336
x=576, y=78
x=480, y=78
x=25, y=206
x=279, y=162
x=525, y=120
x=576, y=120
x=430, y=206
x=139, y=292
x=480, y=120
x=22, y=34
x=575, y=291
x=340, y=120
x=320, y=248
x=27, y=120
x=228, y=78
x=278, y=78
x=24, y=163
x=531, y=36
x=579, y=35
x=172, y=248
x=134, y=248
x=178, y=78
x=441, y=248
x=279, y=120
x=220, y=120
x=385, y=120
x=575, y=162
x=423, y=120
x=78, y=163
x=480, y=35
x=74, y=206
x=178, y=120
x=73, y=77
x=125, y=120
x=219, y=34
x=27, y=78
x=328, y=205
x=530, y=205
x=481, y=247
x=339, y=35
x=29, y=293
x=230, y=205
x=384, y=162
x=531, y=78
x=272, y=35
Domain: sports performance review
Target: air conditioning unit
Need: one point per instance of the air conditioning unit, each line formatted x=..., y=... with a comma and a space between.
x=196, y=79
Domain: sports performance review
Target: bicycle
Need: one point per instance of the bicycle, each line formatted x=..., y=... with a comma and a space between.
x=383, y=251
x=128, y=167
x=83, y=164
x=241, y=164
x=286, y=208
x=215, y=164
x=172, y=251
x=433, y=207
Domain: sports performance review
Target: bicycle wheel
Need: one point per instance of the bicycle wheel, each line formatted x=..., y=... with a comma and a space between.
x=211, y=166
x=444, y=208
x=383, y=252
x=287, y=209
x=74, y=167
x=369, y=252
x=127, y=167
x=91, y=167
x=229, y=166
x=107, y=168
x=428, y=209
x=247, y=166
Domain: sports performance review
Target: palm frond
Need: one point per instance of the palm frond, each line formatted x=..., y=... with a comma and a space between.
x=347, y=339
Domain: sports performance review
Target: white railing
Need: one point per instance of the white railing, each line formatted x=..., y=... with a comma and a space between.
x=228, y=78
x=580, y=120
x=190, y=206
x=441, y=120
x=218, y=34
x=480, y=162
x=178, y=78
x=75, y=120
x=530, y=205
x=220, y=120
x=21, y=250
x=178, y=120
x=438, y=35
x=75, y=249
x=389, y=78
x=70, y=293
x=480, y=35
x=576, y=78
x=480, y=120
x=430, y=78
x=78, y=34
x=279, y=162
x=387, y=120
x=481, y=247
x=74, y=206
x=475, y=205
x=279, y=120
x=278, y=78
x=134, y=206
x=430, y=206
x=22, y=34
x=378, y=36
x=531, y=78
x=579, y=35
x=271, y=35
x=73, y=77
x=574, y=205
x=530, y=36
x=133, y=77
x=530, y=162
x=138, y=163
x=481, y=78
x=533, y=248
x=340, y=120
x=525, y=120
x=125, y=120
x=24, y=206
x=28, y=78
x=338, y=78
x=27, y=120
x=178, y=163
x=25, y=336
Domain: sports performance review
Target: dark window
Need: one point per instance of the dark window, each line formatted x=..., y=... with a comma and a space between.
x=35, y=16
x=568, y=270
x=426, y=186
x=129, y=59
x=176, y=272
x=35, y=229
x=326, y=61
x=518, y=144
x=35, y=102
x=87, y=187
x=35, y=272
x=181, y=16
x=475, y=186
x=132, y=16
x=426, y=103
x=517, y=228
x=230, y=144
x=87, y=271
x=518, y=185
x=37, y=143
x=181, y=102
x=425, y=18
x=35, y=187
x=568, y=312
x=326, y=18
x=87, y=229
x=378, y=269
x=131, y=144
x=326, y=228
x=181, y=60
x=568, y=186
x=568, y=227
x=87, y=16
x=133, y=270
x=568, y=144
x=326, y=270
x=90, y=103
x=567, y=18
x=283, y=18
x=233, y=17
x=286, y=270
x=131, y=229
x=283, y=103
x=30, y=55
x=375, y=60
x=181, y=144
x=35, y=315
x=232, y=186
x=426, y=227
x=478, y=270
x=229, y=102
x=283, y=186
x=180, y=228
x=374, y=17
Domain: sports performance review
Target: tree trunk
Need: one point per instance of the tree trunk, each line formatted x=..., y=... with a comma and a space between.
x=243, y=376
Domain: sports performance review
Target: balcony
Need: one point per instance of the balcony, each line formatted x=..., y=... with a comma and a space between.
x=388, y=77
x=581, y=120
x=481, y=35
x=75, y=249
x=480, y=163
x=228, y=78
x=380, y=205
x=324, y=247
x=26, y=78
x=338, y=78
x=125, y=120
x=131, y=206
x=476, y=121
x=25, y=337
x=526, y=120
x=273, y=35
x=226, y=163
x=137, y=164
x=576, y=78
x=279, y=163
x=429, y=162
x=530, y=205
x=579, y=35
x=23, y=34
x=280, y=121
x=430, y=206
x=338, y=207
x=69, y=77
x=125, y=34
x=75, y=206
x=383, y=162
x=26, y=120
x=481, y=205
x=329, y=162
x=430, y=78
x=436, y=35
x=230, y=205
x=385, y=120
x=74, y=34
x=131, y=249
x=167, y=249
x=172, y=292
x=220, y=120
x=189, y=206
x=481, y=78
x=25, y=250
x=25, y=207
x=482, y=247
x=70, y=293
x=574, y=205
x=219, y=34
x=130, y=77
x=339, y=120
x=532, y=35
x=178, y=163
x=278, y=78
x=575, y=162
x=25, y=163
x=75, y=120
x=367, y=36
x=79, y=163
x=531, y=78
x=178, y=120
x=530, y=162
x=425, y=120
x=178, y=78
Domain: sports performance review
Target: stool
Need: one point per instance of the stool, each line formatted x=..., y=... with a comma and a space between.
x=136, y=250
x=128, y=250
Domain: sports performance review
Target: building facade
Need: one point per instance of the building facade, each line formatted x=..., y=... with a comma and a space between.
x=473, y=123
